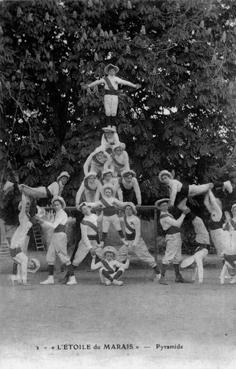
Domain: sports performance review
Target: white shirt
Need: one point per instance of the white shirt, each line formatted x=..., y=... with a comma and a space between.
x=87, y=230
x=60, y=218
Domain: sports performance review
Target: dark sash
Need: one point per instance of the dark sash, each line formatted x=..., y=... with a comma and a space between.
x=107, y=266
x=120, y=165
x=60, y=228
x=90, y=224
x=97, y=161
x=111, y=87
x=106, y=204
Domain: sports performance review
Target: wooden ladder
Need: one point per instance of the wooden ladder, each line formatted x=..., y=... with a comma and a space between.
x=37, y=233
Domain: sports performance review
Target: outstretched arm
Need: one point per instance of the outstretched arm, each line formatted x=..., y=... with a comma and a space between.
x=214, y=204
x=96, y=83
x=173, y=193
x=126, y=83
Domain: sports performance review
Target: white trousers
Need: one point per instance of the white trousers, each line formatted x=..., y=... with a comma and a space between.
x=22, y=262
x=173, y=249
x=58, y=246
x=83, y=251
x=111, y=105
x=140, y=250
x=108, y=220
x=198, y=257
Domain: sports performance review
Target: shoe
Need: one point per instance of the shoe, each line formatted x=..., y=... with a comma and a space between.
x=117, y=283
x=49, y=280
x=228, y=186
x=71, y=281
x=179, y=279
x=233, y=280
x=162, y=280
x=107, y=283
x=156, y=277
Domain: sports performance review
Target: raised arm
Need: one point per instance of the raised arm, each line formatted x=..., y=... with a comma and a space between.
x=173, y=193
x=78, y=195
x=137, y=191
x=88, y=163
x=214, y=204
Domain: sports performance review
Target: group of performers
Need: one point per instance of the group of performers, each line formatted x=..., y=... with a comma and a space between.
x=108, y=195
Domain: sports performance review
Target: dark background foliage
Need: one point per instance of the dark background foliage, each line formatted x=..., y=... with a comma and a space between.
x=183, y=53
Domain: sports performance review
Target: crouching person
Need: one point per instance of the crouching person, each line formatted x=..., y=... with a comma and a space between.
x=58, y=244
x=135, y=242
x=110, y=270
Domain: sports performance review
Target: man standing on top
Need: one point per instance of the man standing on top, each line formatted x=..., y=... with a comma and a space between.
x=111, y=83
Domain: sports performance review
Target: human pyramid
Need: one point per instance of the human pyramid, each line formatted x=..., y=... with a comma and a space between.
x=108, y=195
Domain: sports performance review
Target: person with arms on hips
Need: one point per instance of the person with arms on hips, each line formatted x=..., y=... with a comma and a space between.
x=43, y=192
x=179, y=192
x=119, y=159
x=171, y=227
x=18, y=243
x=129, y=187
x=89, y=189
x=89, y=242
x=111, y=83
x=135, y=242
x=58, y=243
x=109, y=179
x=110, y=270
x=201, y=245
x=110, y=206
x=109, y=138
x=97, y=161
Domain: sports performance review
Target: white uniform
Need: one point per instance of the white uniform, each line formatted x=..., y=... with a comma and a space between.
x=173, y=238
x=135, y=242
x=19, y=241
x=107, y=144
x=92, y=164
x=87, y=193
x=53, y=190
x=58, y=244
x=119, y=163
x=112, y=267
x=89, y=238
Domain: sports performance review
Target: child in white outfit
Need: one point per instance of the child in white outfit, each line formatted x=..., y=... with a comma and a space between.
x=110, y=270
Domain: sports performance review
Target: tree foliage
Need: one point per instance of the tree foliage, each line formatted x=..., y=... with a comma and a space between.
x=183, y=53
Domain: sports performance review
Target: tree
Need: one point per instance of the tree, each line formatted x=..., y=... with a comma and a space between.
x=181, y=52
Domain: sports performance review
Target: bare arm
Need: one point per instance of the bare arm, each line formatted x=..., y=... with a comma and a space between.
x=79, y=194
x=137, y=191
x=215, y=206
x=173, y=193
x=96, y=83
x=168, y=221
x=94, y=265
x=88, y=163
x=126, y=83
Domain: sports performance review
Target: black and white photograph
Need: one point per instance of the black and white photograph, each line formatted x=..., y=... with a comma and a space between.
x=118, y=184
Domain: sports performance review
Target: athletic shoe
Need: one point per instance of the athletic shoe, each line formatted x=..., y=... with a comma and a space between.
x=233, y=280
x=117, y=283
x=162, y=280
x=49, y=280
x=107, y=283
x=71, y=280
